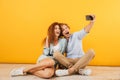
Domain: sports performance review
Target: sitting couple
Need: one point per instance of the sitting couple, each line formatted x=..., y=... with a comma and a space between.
x=54, y=48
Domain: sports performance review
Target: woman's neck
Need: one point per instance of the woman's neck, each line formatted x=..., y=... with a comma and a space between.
x=55, y=41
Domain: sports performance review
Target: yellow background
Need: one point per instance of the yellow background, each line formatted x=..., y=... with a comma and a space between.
x=24, y=24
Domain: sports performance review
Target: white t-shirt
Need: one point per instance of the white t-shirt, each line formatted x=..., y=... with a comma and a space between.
x=56, y=48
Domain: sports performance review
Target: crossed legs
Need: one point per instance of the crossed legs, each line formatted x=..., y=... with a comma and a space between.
x=43, y=69
x=82, y=62
x=75, y=64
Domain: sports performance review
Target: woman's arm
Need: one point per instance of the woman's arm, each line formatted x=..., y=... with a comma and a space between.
x=46, y=50
x=46, y=43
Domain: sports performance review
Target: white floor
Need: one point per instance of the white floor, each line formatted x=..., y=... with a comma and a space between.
x=99, y=73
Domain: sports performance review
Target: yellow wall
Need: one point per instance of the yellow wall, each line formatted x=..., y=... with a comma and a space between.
x=24, y=23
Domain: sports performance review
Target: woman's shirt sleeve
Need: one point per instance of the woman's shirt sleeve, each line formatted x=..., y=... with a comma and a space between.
x=46, y=51
x=64, y=45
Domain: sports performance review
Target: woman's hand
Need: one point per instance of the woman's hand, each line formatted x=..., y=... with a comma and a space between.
x=46, y=43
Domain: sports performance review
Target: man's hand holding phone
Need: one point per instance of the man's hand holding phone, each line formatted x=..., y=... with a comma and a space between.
x=90, y=18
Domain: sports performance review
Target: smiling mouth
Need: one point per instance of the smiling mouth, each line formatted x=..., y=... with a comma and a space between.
x=57, y=32
x=67, y=33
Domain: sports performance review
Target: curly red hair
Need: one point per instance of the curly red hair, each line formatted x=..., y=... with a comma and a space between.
x=51, y=33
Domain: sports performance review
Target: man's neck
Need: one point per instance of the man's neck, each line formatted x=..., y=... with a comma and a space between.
x=68, y=37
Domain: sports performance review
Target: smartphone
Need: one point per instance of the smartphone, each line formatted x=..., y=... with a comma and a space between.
x=89, y=17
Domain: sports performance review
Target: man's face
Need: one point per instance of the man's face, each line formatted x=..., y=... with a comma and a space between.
x=65, y=31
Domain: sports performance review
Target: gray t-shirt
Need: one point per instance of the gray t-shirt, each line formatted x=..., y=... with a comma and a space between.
x=74, y=48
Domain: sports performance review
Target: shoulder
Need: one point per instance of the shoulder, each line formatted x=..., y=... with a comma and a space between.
x=62, y=39
x=63, y=43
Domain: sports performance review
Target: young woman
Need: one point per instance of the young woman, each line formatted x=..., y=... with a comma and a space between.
x=45, y=66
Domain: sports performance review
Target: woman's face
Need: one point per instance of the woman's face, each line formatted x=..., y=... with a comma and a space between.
x=57, y=31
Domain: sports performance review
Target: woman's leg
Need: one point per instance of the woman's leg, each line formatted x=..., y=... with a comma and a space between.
x=45, y=73
x=47, y=62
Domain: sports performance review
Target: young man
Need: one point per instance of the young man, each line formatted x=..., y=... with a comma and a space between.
x=76, y=60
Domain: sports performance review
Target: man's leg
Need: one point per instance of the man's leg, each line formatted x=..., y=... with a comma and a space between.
x=82, y=62
x=62, y=59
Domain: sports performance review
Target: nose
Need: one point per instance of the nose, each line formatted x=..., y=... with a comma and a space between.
x=66, y=30
x=58, y=29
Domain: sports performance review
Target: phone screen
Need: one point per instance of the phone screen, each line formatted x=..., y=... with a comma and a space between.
x=89, y=17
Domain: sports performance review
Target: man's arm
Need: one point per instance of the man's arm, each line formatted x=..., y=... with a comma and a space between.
x=89, y=26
